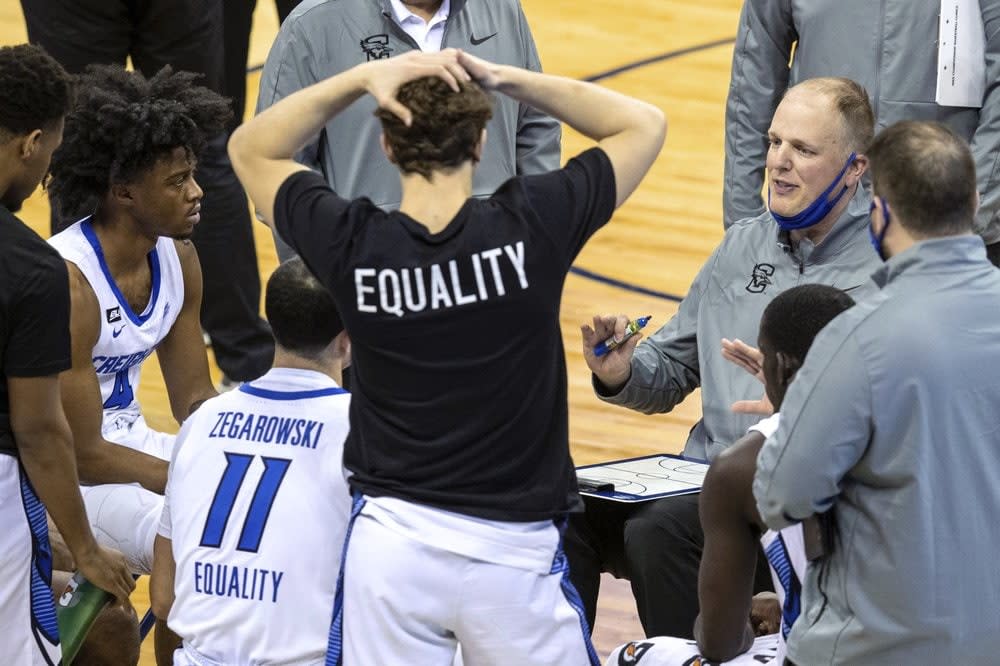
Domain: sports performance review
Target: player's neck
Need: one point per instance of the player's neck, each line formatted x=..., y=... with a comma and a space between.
x=435, y=202
x=327, y=365
x=425, y=9
x=125, y=247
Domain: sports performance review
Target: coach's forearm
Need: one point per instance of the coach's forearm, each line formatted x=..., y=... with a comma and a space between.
x=281, y=130
x=592, y=110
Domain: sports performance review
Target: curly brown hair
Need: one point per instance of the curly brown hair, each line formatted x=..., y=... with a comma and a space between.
x=122, y=124
x=445, y=129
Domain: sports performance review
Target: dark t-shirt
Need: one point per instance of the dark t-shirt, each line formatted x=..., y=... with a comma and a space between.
x=459, y=375
x=34, y=312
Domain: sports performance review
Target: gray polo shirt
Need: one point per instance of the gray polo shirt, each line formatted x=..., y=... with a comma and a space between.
x=893, y=421
x=754, y=263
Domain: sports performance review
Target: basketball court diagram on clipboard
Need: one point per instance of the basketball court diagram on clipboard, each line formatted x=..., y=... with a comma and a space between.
x=644, y=479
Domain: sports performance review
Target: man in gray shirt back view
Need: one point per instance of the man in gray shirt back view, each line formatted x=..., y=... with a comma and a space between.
x=322, y=38
x=892, y=424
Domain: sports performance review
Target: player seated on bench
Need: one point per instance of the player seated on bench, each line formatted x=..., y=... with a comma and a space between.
x=256, y=509
x=731, y=617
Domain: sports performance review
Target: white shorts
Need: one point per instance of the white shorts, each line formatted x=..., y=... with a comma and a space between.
x=125, y=516
x=27, y=610
x=669, y=651
x=407, y=602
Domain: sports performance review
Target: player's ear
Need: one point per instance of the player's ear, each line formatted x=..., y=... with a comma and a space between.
x=122, y=194
x=386, y=148
x=788, y=365
x=342, y=348
x=480, y=145
x=29, y=144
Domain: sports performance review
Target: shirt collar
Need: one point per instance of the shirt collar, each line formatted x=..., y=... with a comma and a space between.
x=403, y=15
x=294, y=379
x=844, y=230
x=946, y=254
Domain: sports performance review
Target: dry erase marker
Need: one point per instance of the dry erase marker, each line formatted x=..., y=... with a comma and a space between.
x=631, y=329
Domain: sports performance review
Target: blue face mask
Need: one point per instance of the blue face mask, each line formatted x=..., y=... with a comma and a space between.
x=877, y=239
x=817, y=210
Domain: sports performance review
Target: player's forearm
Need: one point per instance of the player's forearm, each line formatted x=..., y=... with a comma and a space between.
x=47, y=457
x=280, y=131
x=720, y=646
x=594, y=111
x=106, y=462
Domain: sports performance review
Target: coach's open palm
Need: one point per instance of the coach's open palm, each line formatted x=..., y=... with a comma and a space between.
x=614, y=368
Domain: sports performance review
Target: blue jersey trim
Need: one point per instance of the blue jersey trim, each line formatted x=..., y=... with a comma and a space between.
x=290, y=395
x=154, y=266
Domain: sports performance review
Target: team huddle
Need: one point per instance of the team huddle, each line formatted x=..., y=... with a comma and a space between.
x=848, y=398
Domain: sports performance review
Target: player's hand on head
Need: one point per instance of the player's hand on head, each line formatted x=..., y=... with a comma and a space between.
x=386, y=76
x=483, y=72
x=615, y=367
x=765, y=614
x=107, y=569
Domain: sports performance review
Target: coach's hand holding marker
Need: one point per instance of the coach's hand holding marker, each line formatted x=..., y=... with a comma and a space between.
x=612, y=367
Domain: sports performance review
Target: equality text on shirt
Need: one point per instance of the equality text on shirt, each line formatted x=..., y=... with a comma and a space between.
x=400, y=290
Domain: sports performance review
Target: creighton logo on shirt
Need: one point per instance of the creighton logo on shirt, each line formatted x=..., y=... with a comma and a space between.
x=400, y=290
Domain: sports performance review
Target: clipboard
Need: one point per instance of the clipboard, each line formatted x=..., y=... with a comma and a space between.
x=645, y=478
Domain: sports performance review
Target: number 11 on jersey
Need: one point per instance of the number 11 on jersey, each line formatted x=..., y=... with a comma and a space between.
x=237, y=465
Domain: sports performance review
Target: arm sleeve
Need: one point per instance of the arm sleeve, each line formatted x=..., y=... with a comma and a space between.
x=39, y=341
x=825, y=428
x=759, y=78
x=288, y=69
x=574, y=202
x=312, y=219
x=985, y=142
x=665, y=366
x=538, y=134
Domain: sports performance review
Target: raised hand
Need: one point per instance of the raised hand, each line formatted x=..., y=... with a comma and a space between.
x=752, y=360
x=614, y=368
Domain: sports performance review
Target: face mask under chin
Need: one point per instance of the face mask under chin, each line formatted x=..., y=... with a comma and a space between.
x=818, y=209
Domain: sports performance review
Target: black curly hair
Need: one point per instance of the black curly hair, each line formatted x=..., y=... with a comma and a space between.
x=122, y=124
x=37, y=91
x=446, y=125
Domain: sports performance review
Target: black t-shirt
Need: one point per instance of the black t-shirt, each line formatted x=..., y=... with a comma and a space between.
x=34, y=312
x=459, y=375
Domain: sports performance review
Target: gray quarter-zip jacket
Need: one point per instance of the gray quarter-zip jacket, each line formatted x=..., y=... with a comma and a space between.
x=893, y=421
x=322, y=38
x=889, y=47
x=752, y=265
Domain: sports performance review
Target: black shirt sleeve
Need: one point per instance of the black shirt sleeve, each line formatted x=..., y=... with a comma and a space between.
x=313, y=220
x=39, y=342
x=575, y=201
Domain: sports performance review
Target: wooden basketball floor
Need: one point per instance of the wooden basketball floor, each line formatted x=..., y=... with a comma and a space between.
x=651, y=250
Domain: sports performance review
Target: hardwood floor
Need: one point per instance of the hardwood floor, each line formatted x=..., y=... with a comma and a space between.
x=657, y=241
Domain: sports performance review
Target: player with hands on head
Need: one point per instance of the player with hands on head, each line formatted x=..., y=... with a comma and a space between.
x=427, y=293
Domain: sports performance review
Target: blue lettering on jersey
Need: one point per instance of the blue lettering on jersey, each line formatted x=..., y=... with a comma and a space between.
x=109, y=365
x=265, y=429
x=224, y=580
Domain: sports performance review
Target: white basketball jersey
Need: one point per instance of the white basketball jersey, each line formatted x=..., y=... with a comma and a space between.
x=127, y=338
x=257, y=508
x=786, y=555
